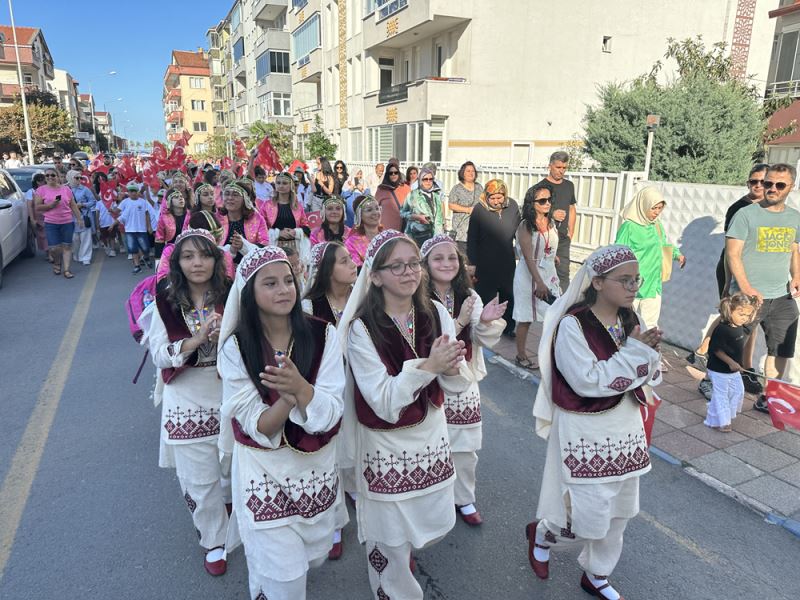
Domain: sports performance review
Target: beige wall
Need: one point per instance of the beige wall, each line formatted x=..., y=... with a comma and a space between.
x=191, y=116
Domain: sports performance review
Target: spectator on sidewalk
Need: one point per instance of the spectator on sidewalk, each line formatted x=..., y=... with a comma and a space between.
x=13, y=162
x=761, y=248
x=86, y=203
x=374, y=179
x=564, y=210
x=463, y=198
x=391, y=196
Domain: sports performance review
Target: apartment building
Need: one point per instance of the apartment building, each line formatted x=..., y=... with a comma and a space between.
x=495, y=81
x=187, y=99
x=35, y=59
x=219, y=60
x=65, y=89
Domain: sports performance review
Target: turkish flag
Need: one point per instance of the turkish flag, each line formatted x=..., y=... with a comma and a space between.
x=185, y=137
x=314, y=219
x=649, y=416
x=241, y=151
x=267, y=157
x=783, y=400
x=108, y=192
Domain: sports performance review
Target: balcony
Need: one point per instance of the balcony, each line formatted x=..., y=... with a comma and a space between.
x=308, y=69
x=415, y=101
x=272, y=39
x=176, y=116
x=268, y=10
x=783, y=88
x=240, y=71
x=307, y=113
x=241, y=100
x=173, y=94
x=10, y=90
x=402, y=23
x=174, y=137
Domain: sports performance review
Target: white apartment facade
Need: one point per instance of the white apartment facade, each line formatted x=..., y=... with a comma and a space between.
x=497, y=81
x=65, y=89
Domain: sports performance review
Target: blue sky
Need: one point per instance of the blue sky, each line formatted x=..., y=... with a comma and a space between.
x=132, y=37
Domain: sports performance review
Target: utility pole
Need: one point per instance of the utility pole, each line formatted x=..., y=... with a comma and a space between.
x=652, y=124
x=21, y=87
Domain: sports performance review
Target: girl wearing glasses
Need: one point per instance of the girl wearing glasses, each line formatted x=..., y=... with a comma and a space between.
x=597, y=362
x=366, y=226
x=403, y=357
x=536, y=283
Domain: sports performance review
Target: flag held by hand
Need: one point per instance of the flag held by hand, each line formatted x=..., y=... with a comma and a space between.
x=783, y=400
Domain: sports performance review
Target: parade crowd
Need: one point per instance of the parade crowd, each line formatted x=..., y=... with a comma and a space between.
x=318, y=337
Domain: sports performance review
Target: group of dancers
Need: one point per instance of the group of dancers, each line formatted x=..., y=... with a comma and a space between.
x=281, y=396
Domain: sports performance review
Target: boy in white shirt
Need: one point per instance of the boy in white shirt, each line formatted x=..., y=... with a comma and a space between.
x=135, y=216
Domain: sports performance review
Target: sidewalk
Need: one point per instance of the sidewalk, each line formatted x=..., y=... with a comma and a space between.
x=755, y=463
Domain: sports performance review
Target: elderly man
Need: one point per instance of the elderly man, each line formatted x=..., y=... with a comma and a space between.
x=564, y=211
x=375, y=178
x=760, y=249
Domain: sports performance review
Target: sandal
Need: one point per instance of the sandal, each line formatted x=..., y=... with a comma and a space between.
x=56, y=270
x=526, y=363
x=68, y=275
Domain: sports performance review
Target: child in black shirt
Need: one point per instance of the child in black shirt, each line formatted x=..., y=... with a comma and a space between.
x=724, y=360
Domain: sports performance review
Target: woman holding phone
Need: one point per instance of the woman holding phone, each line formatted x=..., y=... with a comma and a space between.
x=57, y=203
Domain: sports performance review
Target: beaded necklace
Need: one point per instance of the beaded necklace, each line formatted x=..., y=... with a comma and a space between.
x=407, y=329
x=337, y=314
x=449, y=300
x=617, y=332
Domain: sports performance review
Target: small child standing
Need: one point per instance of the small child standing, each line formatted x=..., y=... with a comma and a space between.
x=724, y=360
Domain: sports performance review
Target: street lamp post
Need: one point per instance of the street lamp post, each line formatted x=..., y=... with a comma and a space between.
x=652, y=124
x=28, y=136
x=91, y=109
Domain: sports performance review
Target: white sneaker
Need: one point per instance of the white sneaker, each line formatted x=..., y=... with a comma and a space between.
x=130, y=256
x=112, y=253
x=86, y=263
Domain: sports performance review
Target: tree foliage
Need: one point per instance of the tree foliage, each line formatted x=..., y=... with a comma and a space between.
x=50, y=125
x=217, y=146
x=281, y=137
x=318, y=143
x=712, y=126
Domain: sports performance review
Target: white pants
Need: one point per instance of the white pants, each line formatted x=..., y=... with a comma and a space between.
x=464, y=488
x=82, y=245
x=264, y=588
x=598, y=557
x=390, y=575
x=726, y=399
x=649, y=309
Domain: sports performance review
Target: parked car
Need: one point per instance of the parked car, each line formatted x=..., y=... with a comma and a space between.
x=23, y=176
x=16, y=234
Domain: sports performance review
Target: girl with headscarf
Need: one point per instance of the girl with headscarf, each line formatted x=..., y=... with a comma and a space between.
x=423, y=209
x=282, y=388
x=242, y=227
x=332, y=228
x=597, y=361
x=391, y=195
x=285, y=218
x=204, y=198
x=643, y=233
x=171, y=221
x=490, y=246
x=366, y=226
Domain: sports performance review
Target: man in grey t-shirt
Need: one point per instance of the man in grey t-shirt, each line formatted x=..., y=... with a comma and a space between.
x=761, y=248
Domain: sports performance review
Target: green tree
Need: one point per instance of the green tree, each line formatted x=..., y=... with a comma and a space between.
x=217, y=146
x=712, y=124
x=50, y=125
x=280, y=136
x=318, y=143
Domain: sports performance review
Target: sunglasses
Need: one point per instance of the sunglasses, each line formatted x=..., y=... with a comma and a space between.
x=394, y=172
x=778, y=185
x=427, y=179
x=50, y=175
x=754, y=182
x=543, y=201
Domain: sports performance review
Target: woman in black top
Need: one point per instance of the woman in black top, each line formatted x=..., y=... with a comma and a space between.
x=490, y=246
x=339, y=177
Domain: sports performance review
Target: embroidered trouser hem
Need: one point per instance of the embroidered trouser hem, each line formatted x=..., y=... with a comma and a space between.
x=598, y=557
x=389, y=573
x=264, y=588
x=206, y=502
x=464, y=489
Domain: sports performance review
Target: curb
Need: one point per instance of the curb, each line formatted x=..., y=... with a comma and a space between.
x=790, y=525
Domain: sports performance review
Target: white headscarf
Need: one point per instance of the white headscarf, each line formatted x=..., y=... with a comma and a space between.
x=642, y=203
x=317, y=254
x=601, y=261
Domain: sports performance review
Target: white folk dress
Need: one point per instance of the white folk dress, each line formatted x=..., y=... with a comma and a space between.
x=594, y=460
x=543, y=250
x=285, y=501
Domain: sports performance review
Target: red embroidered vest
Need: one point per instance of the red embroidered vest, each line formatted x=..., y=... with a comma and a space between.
x=322, y=310
x=603, y=346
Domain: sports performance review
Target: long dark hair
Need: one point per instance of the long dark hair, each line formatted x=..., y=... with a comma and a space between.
x=461, y=284
x=529, y=206
x=330, y=236
x=178, y=292
x=322, y=280
x=627, y=316
x=254, y=345
x=372, y=310
x=325, y=167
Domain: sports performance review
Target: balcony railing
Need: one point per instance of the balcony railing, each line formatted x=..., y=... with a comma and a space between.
x=307, y=112
x=385, y=8
x=783, y=88
x=394, y=93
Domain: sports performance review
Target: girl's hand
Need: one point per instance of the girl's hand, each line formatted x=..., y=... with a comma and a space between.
x=444, y=356
x=465, y=314
x=285, y=379
x=557, y=260
x=206, y=328
x=682, y=261
x=651, y=337
x=236, y=243
x=734, y=366
x=422, y=219
x=541, y=291
x=493, y=310
x=213, y=333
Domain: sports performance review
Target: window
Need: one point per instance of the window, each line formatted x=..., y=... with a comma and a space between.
x=198, y=104
x=7, y=188
x=199, y=126
x=298, y=4
x=278, y=62
x=236, y=17
x=389, y=7
x=387, y=70
x=262, y=67
x=213, y=39
x=238, y=50
x=788, y=67
x=607, y=43
x=196, y=83
x=369, y=7
x=219, y=118
x=439, y=60
x=27, y=79
x=219, y=92
x=200, y=148
x=281, y=104
x=306, y=38
x=216, y=66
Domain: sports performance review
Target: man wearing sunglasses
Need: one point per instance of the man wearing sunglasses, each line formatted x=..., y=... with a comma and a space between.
x=761, y=247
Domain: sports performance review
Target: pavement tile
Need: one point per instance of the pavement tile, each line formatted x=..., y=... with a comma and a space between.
x=677, y=416
x=677, y=376
x=698, y=407
x=758, y=454
x=682, y=445
x=714, y=437
x=784, y=441
x=726, y=468
x=660, y=428
x=779, y=495
x=751, y=427
x=676, y=394
x=690, y=385
x=790, y=474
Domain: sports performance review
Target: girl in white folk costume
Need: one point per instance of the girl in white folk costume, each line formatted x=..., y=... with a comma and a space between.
x=597, y=364
x=403, y=356
x=477, y=326
x=283, y=382
x=181, y=330
x=330, y=282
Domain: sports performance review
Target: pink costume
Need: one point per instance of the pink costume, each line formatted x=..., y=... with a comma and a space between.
x=318, y=236
x=356, y=245
x=269, y=210
x=167, y=229
x=255, y=229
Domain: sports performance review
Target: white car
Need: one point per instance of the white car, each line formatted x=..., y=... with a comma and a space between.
x=16, y=234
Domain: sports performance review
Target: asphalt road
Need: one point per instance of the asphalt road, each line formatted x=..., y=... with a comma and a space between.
x=102, y=521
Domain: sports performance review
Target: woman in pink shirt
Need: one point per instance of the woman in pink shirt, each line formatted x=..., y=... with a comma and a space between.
x=61, y=213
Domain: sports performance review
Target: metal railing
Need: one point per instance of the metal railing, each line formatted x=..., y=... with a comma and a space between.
x=307, y=112
x=393, y=93
x=783, y=88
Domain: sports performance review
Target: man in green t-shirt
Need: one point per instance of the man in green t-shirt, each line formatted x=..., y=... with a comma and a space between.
x=761, y=249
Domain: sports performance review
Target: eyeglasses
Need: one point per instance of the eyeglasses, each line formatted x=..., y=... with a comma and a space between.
x=629, y=283
x=778, y=185
x=755, y=182
x=398, y=269
x=427, y=179
x=340, y=168
x=544, y=201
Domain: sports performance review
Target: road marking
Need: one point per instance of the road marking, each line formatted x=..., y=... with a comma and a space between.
x=676, y=537
x=17, y=485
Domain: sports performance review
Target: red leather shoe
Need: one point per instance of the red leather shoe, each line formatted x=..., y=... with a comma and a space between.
x=229, y=508
x=336, y=551
x=540, y=568
x=217, y=567
x=472, y=520
x=412, y=564
x=589, y=588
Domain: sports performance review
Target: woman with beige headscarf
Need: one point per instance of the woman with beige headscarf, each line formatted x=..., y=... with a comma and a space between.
x=643, y=233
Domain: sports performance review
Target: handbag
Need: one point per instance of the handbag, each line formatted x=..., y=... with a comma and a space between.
x=404, y=221
x=420, y=236
x=666, y=257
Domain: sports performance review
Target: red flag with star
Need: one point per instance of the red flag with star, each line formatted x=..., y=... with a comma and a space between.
x=783, y=400
x=267, y=157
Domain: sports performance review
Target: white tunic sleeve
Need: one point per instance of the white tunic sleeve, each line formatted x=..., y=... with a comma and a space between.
x=327, y=405
x=165, y=354
x=240, y=398
x=484, y=334
x=452, y=384
x=308, y=307
x=632, y=366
